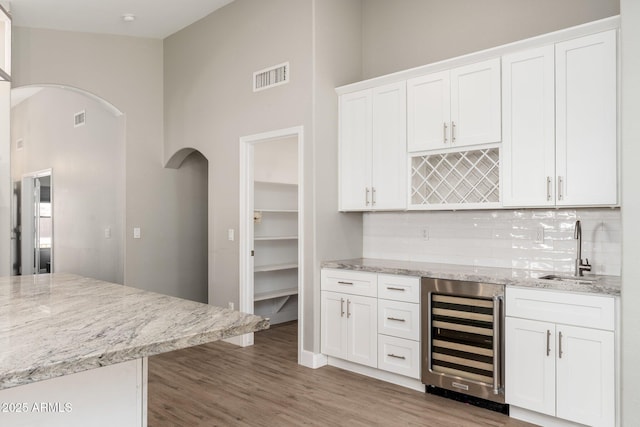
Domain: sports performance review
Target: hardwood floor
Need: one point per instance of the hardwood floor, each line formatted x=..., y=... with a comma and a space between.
x=219, y=384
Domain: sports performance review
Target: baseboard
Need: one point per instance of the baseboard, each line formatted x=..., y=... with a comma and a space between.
x=245, y=340
x=378, y=374
x=312, y=360
x=538, y=418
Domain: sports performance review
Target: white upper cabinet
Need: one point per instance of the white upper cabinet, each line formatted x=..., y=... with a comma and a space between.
x=373, y=172
x=559, y=124
x=528, y=144
x=355, y=150
x=454, y=108
x=5, y=45
x=586, y=120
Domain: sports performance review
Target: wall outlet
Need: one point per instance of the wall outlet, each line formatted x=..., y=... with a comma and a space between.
x=424, y=233
x=107, y=233
x=231, y=234
x=137, y=234
x=540, y=235
x=231, y=306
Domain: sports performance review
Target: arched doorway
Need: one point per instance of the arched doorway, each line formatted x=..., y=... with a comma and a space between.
x=192, y=187
x=79, y=139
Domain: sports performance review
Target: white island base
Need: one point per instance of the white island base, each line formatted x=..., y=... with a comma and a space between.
x=114, y=395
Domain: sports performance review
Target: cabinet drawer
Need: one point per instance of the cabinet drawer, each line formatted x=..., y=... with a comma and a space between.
x=399, y=319
x=399, y=355
x=399, y=288
x=590, y=311
x=349, y=282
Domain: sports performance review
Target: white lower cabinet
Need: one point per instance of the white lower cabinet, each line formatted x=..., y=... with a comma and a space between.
x=555, y=367
x=358, y=326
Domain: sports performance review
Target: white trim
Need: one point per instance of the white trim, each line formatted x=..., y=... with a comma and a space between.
x=378, y=374
x=538, y=418
x=312, y=360
x=245, y=340
x=610, y=23
x=246, y=223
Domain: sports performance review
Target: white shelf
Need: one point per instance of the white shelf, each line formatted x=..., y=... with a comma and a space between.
x=276, y=210
x=266, y=238
x=275, y=267
x=277, y=293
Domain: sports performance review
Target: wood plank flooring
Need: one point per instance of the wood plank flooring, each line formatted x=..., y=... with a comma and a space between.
x=219, y=384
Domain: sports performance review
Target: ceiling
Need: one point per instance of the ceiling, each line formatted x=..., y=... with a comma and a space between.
x=154, y=18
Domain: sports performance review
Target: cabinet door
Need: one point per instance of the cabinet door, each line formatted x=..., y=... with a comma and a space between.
x=428, y=112
x=389, y=147
x=586, y=138
x=530, y=365
x=355, y=150
x=528, y=123
x=333, y=327
x=475, y=103
x=362, y=331
x=585, y=376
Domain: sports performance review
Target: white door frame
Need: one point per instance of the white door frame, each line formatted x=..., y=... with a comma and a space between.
x=247, y=144
x=29, y=211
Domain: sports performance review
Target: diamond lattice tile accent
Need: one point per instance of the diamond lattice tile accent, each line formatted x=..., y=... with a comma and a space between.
x=456, y=178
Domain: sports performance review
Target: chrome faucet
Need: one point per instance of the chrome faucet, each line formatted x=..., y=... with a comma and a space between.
x=580, y=266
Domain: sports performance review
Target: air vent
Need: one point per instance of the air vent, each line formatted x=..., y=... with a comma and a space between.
x=19, y=144
x=271, y=77
x=79, y=119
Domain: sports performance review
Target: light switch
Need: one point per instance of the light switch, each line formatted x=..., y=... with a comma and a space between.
x=231, y=235
x=136, y=232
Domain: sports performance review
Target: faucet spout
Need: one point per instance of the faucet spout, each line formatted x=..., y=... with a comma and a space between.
x=581, y=266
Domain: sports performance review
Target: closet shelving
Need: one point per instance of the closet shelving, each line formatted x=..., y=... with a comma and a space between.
x=276, y=250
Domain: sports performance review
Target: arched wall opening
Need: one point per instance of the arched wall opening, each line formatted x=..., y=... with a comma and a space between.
x=192, y=195
x=80, y=138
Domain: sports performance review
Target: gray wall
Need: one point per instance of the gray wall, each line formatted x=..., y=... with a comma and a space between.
x=630, y=41
x=128, y=73
x=402, y=34
x=209, y=105
x=87, y=165
x=5, y=180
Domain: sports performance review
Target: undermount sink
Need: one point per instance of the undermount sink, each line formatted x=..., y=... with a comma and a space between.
x=574, y=279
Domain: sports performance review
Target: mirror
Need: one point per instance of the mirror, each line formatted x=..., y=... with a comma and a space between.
x=76, y=225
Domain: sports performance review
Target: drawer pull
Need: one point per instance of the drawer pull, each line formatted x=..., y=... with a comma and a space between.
x=396, y=319
x=345, y=283
x=548, y=339
x=396, y=356
x=560, y=345
x=391, y=288
x=341, y=307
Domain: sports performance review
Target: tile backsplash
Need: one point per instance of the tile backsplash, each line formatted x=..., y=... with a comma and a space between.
x=536, y=239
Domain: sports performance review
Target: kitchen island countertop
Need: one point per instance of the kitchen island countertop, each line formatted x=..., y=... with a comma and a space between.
x=58, y=324
x=603, y=285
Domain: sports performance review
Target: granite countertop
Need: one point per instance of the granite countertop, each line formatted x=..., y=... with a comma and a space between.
x=57, y=324
x=603, y=285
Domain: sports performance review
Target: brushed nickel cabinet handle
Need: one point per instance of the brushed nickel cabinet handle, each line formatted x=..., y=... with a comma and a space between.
x=453, y=132
x=560, y=345
x=548, y=189
x=444, y=133
x=348, y=306
x=548, y=342
x=559, y=190
x=373, y=196
x=340, y=282
x=366, y=196
x=395, y=319
x=391, y=288
x=396, y=356
x=341, y=307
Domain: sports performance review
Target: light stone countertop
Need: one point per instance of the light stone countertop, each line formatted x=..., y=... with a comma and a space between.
x=57, y=324
x=604, y=285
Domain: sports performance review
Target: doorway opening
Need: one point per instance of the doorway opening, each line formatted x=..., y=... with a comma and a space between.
x=35, y=246
x=271, y=226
